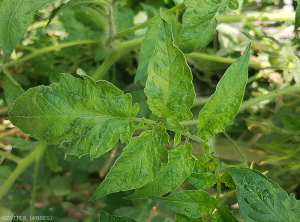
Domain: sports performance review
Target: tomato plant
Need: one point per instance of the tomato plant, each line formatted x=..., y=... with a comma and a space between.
x=167, y=155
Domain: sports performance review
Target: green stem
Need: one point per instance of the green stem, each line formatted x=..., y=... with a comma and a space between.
x=218, y=184
x=118, y=50
x=152, y=122
x=237, y=149
x=197, y=55
x=256, y=16
x=137, y=27
x=98, y=15
x=33, y=193
x=23, y=164
x=52, y=48
x=10, y=156
x=270, y=95
x=40, y=24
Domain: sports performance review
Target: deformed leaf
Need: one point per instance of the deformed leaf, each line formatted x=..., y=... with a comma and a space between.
x=139, y=163
x=261, y=199
x=12, y=89
x=169, y=85
x=14, y=23
x=223, y=215
x=183, y=218
x=105, y=217
x=90, y=115
x=192, y=203
x=199, y=22
x=179, y=167
x=227, y=180
x=39, y=4
x=224, y=104
x=202, y=180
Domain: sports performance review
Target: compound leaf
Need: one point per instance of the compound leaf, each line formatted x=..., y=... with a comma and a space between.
x=224, y=104
x=105, y=217
x=39, y=4
x=223, y=215
x=12, y=89
x=90, y=115
x=169, y=85
x=199, y=22
x=139, y=163
x=291, y=122
x=14, y=23
x=261, y=199
x=179, y=167
x=202, y=180
x=192, y=203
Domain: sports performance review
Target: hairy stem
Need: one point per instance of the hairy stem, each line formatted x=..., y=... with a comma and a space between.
x=237, y=149
x=22, y=166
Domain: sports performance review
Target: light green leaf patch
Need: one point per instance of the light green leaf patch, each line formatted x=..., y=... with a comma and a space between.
x=199, y=22
x=105, y=217
x=91, y=116
x=179, y=167
x=169, y=85
x=223, y=215
x=12, y=89
x=14, y=22
x=224, y=104
x=202, y=180
x=261, y=199
x=139, y=163
x=192, y=203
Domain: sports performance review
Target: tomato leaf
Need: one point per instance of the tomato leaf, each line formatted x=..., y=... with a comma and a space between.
x=183, y=218
x=202, y=180
x=261, y=199
x=14, y=23
x=171, y=175
x=139, y=163
x=224, y=104
x=90, y=115
x=192, y=203
x=199, y=22
x=169, y=85
x=297, y=15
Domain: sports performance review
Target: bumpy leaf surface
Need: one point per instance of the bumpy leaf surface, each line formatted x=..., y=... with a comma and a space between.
x=12, y=89
x=179, y=167
x=105, y=217
x=14, y=23
x=139, y=163
x=192, y=203
x=169, y=85
x=149, y=42
x=39, y=4
x=202, y=180
x=199, y=22
x=260, y=199
x=90, y=115
x=224, y=104
x=223, y=215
